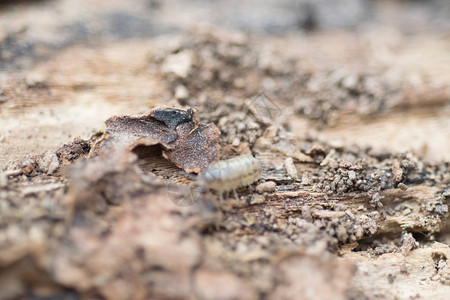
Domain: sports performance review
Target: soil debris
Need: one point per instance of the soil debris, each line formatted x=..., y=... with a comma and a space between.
x=69, y=154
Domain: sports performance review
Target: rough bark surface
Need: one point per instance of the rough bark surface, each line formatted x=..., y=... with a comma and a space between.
x=347, y=111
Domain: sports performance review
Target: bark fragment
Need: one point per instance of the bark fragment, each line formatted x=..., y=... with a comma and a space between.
x=187, y=144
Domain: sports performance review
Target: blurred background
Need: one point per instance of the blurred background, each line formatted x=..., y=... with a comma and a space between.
x=67, y=65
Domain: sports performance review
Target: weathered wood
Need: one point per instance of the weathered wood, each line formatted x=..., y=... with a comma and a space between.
x=338, y=212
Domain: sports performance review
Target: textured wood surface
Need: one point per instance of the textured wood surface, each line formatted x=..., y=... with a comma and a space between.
x=351, y=128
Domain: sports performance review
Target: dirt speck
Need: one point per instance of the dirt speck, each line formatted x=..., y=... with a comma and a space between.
x=266, y=187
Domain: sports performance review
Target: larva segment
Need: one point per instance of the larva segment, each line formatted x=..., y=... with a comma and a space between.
x=227, y=175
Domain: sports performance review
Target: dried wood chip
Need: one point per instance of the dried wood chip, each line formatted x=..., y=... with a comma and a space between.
x=408, y=243
x=185, y=143
x=397, y=171
x=266, y=187
x=159, y=126
x=41, y=188
x=290, y=168
x=194, y=152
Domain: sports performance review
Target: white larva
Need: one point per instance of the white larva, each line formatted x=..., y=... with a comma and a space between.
x=228, y=175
